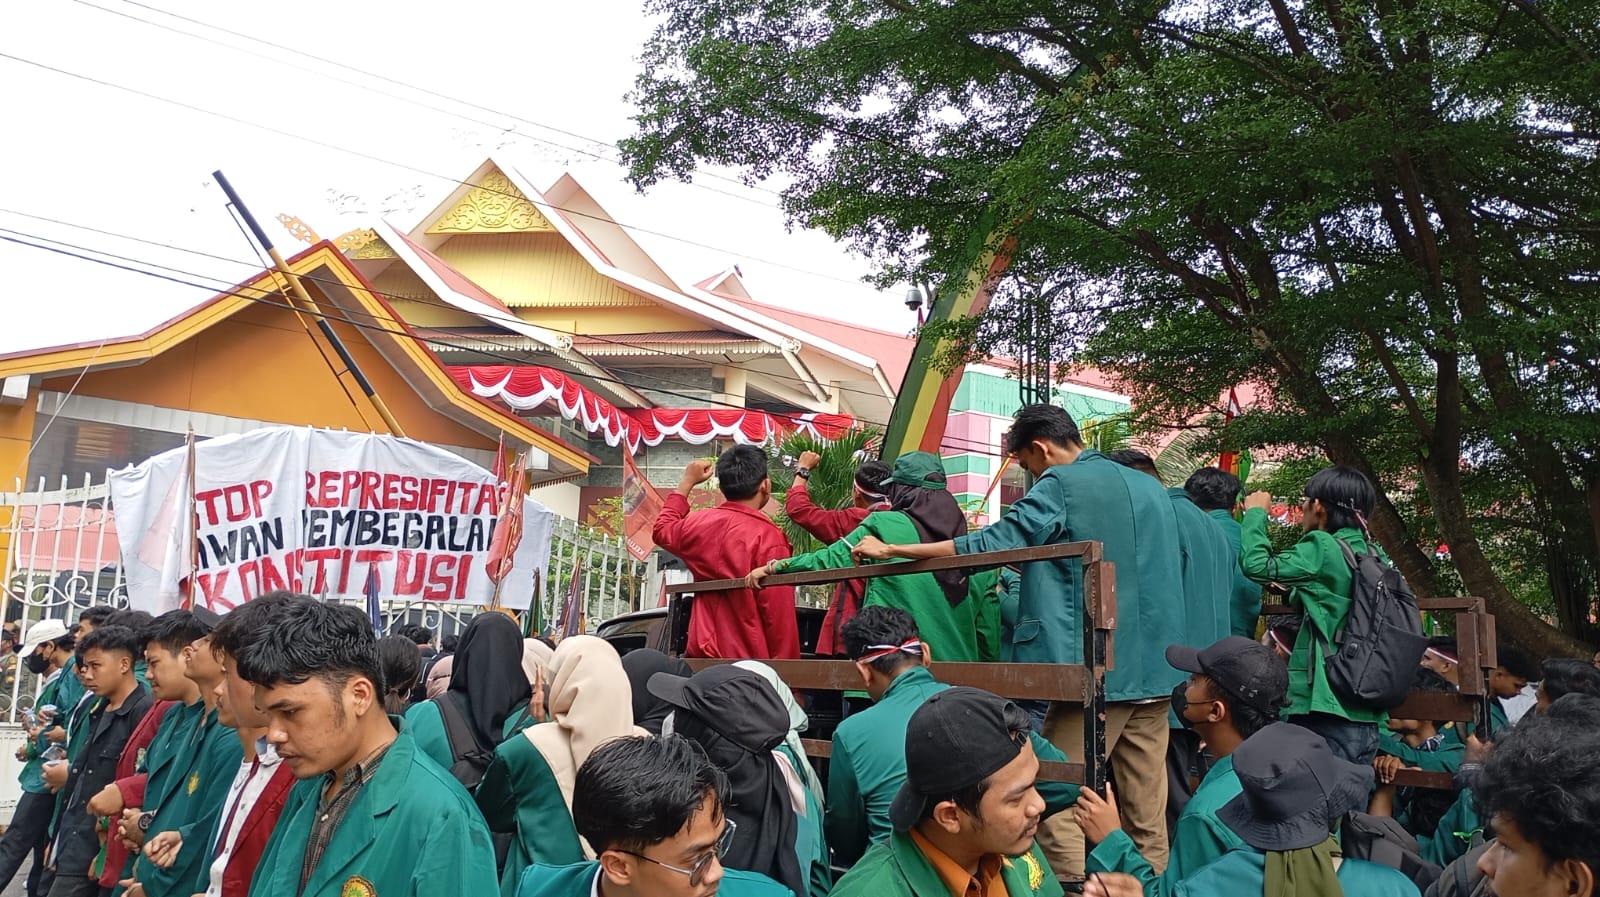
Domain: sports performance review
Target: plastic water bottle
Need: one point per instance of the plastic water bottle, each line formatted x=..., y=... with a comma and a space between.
x=55, y=753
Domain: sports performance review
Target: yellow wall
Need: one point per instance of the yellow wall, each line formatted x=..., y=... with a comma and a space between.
x=534, y=269
x=260, y=364
x=16, y=432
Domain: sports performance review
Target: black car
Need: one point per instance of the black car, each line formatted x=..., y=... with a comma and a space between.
x=654, y=628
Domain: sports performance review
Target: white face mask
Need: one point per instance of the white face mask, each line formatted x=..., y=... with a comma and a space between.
x=667, y=724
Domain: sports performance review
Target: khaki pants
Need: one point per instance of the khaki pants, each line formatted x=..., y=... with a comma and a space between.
x=1136, y=746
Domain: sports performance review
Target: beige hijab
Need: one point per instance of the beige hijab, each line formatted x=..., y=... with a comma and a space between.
x=591, y=702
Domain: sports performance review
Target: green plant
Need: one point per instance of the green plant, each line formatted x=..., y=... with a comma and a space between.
x=831, y=482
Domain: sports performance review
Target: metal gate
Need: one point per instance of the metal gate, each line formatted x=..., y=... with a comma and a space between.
x=61, y=556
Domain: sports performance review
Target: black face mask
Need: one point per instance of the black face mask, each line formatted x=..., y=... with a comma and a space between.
x=1180, y=703
x=36, y=663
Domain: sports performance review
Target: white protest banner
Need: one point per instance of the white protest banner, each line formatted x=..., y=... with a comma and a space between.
x=311, y=511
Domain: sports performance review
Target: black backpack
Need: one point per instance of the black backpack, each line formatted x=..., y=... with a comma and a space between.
x=471, y=758
x=1381, y=643
x=1382, y=840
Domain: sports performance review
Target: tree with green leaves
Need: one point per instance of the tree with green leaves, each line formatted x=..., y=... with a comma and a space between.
x=1383, y=214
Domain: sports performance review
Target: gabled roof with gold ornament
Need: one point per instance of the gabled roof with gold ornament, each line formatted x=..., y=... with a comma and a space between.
x=497, y=198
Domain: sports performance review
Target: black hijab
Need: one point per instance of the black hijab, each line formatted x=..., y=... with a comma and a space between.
x=487, y=681
x=741, y=744
x=649, y=711
x=937, y=517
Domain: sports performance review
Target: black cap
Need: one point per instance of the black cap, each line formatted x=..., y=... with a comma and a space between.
x=1294, y=789
x=1244, y=668
x=956, y=739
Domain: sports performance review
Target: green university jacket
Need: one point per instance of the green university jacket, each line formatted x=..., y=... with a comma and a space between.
x=950, y=632
x=896, y=868
x=520, y=795
x=1446, y=759
x=412, y=832
x=1198, y=838
x=205, y=768
x=1208, y=569
x=868, y=767
x=1454, y=835
x=426, y=725
x=577, y=880
x=1096, y=499
x=1319, y=579
x=1242, y=873
x=1246, y=609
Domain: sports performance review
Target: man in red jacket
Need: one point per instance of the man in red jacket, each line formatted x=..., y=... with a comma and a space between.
x=829, y=526
x=726, y=542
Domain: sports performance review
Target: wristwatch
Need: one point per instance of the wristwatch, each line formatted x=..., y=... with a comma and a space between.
x=803, y=473
x=145, y=819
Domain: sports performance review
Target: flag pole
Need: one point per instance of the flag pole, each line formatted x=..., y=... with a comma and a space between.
x=194, y=526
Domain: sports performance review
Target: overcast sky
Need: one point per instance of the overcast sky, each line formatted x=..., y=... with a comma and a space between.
x=103, y=157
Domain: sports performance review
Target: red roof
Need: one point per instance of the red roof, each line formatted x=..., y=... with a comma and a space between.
x=891, y=350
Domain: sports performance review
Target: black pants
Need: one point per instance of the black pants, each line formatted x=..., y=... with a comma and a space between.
x=29, y=829
x=77, y=886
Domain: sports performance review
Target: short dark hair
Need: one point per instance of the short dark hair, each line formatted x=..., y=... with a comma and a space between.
x=871, y=474
x=137, y=620
x=175, y=630
x=112, y=638
x=1345, y=493
x=740, y=471
x=1561, y=676
x=879, y=625
x=449, y=643
x=1019, y=726
x=635, y=792
x=67, y=642
x=1247, y=720
x=1213, y=489
x=402, y=666
x=1041, y=421
x=252, y=619
x=1541, y=775
x=1517, y=662
x=417, y=633
x=331, y=642
x=97, y=615
x=1135, y=459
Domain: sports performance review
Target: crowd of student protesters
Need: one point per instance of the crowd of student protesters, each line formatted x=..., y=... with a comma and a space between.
x=285, y=750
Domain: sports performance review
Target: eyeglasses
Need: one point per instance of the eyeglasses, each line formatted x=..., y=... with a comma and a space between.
x=697, y=871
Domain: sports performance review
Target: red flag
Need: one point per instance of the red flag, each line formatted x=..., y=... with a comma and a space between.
x=640, y=505
x=508, y=532
x=1229, y=460
x=572, y=612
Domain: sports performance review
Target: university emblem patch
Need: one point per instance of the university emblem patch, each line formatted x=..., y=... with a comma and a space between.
x=194, y=782
x=1035, y=873
x=138, y=760
x=356, y=886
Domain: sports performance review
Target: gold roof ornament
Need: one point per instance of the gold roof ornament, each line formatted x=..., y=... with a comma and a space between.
x=494, y=206
x=298, y=229
x=363, y=243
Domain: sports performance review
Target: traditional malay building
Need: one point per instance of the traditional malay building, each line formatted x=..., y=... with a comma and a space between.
x=243, y=359
x=540, y=301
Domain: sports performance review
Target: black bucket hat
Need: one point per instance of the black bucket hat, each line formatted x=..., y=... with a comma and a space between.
x=1294, y=789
